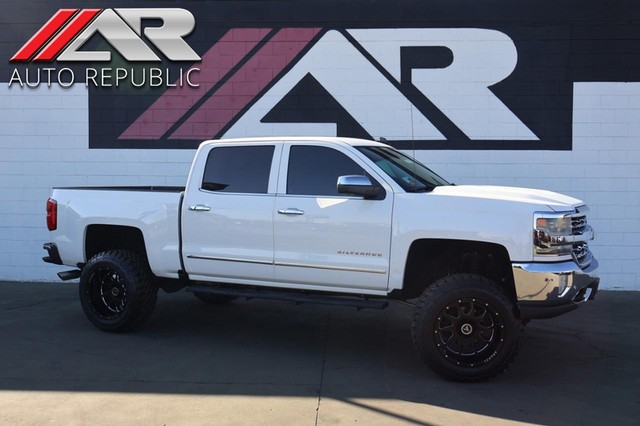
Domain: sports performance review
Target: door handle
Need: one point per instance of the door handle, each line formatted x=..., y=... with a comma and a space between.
x=199, y=208
x=291, y=211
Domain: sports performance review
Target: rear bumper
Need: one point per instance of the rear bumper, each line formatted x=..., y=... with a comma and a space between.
x=546, y=290
x=53, y=254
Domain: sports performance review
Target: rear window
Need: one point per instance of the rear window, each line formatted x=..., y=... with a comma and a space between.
x=239, y=169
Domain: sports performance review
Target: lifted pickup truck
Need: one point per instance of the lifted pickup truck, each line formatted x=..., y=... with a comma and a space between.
x=336, y=221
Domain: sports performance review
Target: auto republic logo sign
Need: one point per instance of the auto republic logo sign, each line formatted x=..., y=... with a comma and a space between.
x=68, y=30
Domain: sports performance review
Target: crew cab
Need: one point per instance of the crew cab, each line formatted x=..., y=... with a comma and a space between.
x=337, y=221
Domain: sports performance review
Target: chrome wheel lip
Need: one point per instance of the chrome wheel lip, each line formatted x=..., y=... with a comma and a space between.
x=469, y=332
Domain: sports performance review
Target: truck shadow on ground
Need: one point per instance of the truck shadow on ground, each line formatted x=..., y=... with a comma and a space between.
x=570, y=370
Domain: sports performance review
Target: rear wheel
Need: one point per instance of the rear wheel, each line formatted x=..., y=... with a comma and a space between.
x=464, y=328
x=117, y=292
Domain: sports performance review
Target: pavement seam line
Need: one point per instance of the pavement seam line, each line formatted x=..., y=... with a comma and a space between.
x=324, y=359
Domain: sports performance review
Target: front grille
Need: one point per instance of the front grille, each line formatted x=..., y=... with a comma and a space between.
x=578, y=224
x=580, y=252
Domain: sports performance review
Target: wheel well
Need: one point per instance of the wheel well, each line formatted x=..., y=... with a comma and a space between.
x=432, y=259
x=99, y=238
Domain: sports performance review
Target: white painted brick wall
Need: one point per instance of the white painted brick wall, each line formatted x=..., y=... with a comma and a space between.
x=43, y=143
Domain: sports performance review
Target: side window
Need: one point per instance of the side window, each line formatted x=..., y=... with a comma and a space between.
x=314, y=170
x=243, y=169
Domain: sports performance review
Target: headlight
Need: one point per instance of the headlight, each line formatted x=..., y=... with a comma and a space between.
x=552, y=234
x=555, y=225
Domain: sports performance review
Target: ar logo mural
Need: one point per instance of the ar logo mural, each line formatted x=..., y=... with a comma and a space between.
x=68, y=29
x=400, y=84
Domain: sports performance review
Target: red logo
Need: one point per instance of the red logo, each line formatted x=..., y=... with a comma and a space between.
x=67, y=31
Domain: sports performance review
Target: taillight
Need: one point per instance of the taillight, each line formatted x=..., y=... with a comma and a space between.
x=52, y=214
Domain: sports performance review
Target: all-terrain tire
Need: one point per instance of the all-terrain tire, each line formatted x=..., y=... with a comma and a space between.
x=464, y=328
x=214, y=299
x=117, y=291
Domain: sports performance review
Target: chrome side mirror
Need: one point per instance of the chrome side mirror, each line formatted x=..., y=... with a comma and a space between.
x=357, y=185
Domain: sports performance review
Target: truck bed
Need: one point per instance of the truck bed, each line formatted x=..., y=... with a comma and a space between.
x=154, y=210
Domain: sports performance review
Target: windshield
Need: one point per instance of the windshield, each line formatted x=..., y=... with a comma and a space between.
x=411, y=175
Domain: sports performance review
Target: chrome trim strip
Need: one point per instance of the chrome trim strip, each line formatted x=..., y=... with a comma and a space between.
x=332, y=268
x=230, y=259
x=587, y=235
x=296, y=265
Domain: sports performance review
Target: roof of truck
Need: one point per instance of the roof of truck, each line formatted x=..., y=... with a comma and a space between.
x=275, y=139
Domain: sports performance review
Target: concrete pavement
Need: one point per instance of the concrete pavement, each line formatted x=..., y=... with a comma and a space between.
x=263, y=362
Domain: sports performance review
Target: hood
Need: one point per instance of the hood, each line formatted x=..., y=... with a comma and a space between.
x=553, y=200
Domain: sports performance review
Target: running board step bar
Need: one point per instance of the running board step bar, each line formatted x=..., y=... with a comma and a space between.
x=253, y=293
x=69, y=275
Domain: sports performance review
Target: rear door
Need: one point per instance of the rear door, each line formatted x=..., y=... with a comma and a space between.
x=227, y=214
x=323, y=238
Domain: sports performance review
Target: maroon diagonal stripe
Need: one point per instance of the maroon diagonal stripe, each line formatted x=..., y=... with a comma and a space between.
x=68, y=33
x=43, y=35
x=177, y=101
x=237, y=92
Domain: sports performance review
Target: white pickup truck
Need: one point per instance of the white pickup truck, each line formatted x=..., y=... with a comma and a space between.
x=336, y=221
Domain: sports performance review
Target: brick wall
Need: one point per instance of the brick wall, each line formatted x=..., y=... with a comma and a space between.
x=43, y=143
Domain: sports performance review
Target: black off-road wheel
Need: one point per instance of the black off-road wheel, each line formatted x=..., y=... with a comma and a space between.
x=464, y=328
x=214, y=299
x=117, y=291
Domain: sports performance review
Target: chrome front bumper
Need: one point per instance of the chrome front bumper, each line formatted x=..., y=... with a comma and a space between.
x=545, y=290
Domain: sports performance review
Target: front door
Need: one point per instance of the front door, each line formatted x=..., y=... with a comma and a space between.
x=323, y=238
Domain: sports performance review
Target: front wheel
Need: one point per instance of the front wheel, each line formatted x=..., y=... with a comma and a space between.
x=117, y=291
x=464, y=328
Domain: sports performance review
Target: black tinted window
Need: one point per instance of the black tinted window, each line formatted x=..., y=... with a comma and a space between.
x=238, y=169
x=314, y=170
x=411, y=175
